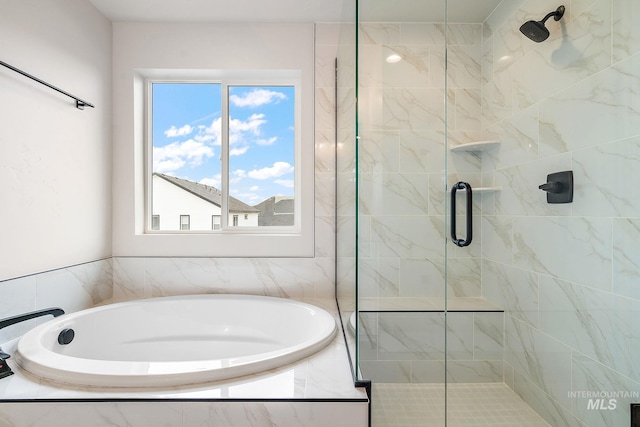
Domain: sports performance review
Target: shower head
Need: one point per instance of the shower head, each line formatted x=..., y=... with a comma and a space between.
x=536, y=30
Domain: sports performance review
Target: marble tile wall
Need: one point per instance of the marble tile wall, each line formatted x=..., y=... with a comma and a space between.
x=410, y=347
x=73, y=288
x=566, y=275
x=402, y=151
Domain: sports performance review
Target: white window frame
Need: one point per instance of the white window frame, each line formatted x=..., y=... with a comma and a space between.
x=259, y=241
x=226, y=80
x=187, y=223
x=215, y=223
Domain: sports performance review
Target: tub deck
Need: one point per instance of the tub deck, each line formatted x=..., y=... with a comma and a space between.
x=315, y=391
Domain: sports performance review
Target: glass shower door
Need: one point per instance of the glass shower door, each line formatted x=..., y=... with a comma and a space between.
x=475, y=339
x=401, y=245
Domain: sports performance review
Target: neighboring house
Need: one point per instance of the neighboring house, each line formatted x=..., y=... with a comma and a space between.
x=276, y=211
x=179, y=204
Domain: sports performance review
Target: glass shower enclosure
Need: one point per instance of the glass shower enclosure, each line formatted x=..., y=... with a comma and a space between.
x=469, y=276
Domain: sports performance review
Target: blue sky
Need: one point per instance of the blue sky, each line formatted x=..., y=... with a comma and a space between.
x=187, y=140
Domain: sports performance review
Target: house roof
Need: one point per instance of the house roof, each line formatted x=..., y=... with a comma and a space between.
x=276, y=210
x=208, y=193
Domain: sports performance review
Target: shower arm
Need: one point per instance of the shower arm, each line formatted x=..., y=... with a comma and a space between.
x=549, y=15
x=55, y=312
x=557, y=14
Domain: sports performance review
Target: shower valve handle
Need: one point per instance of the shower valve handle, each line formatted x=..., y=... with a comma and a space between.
x=551, y=187
x=559, y=187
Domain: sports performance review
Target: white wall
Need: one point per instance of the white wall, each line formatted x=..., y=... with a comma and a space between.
x=55, y=168
x=171, y=201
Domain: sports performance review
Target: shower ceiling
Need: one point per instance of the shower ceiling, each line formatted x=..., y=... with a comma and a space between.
x=292, y=10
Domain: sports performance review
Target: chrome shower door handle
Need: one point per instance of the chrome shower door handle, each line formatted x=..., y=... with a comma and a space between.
x=467, y=241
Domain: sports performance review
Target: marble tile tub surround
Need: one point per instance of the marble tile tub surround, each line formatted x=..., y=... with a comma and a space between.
x=186, y=414
x=72, y=288
x=135, y=278
x=316, y=391
x=566, y=275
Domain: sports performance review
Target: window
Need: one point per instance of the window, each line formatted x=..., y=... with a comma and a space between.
x=263, y=234
x=155, y=222
x=222, y=149
x=185, y=222
x=216, y=221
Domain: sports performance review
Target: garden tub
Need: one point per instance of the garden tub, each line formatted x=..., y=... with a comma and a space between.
x=173, y=341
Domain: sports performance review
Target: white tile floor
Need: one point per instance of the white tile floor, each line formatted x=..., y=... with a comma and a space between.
x=487, y=405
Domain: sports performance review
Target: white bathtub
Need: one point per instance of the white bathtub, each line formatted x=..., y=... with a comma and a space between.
x=175, y=341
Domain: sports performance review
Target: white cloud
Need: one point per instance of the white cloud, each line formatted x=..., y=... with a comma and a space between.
x=173, y=156
x=249, y=198
x=169, y=165
x=238, y=151
x=278, y=169
x=284, y=182
x=215, y=181
x=172, y=132
x=252, y=125
x=210, y=133
x=254, y=188
x=237, y=176
x=241, y=133
x=269, y=141
x=256, y=98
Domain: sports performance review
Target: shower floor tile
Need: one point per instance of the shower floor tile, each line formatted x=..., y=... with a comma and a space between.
x=413, y=405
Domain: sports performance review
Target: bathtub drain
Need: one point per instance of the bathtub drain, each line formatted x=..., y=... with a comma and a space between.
x=66, y=336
